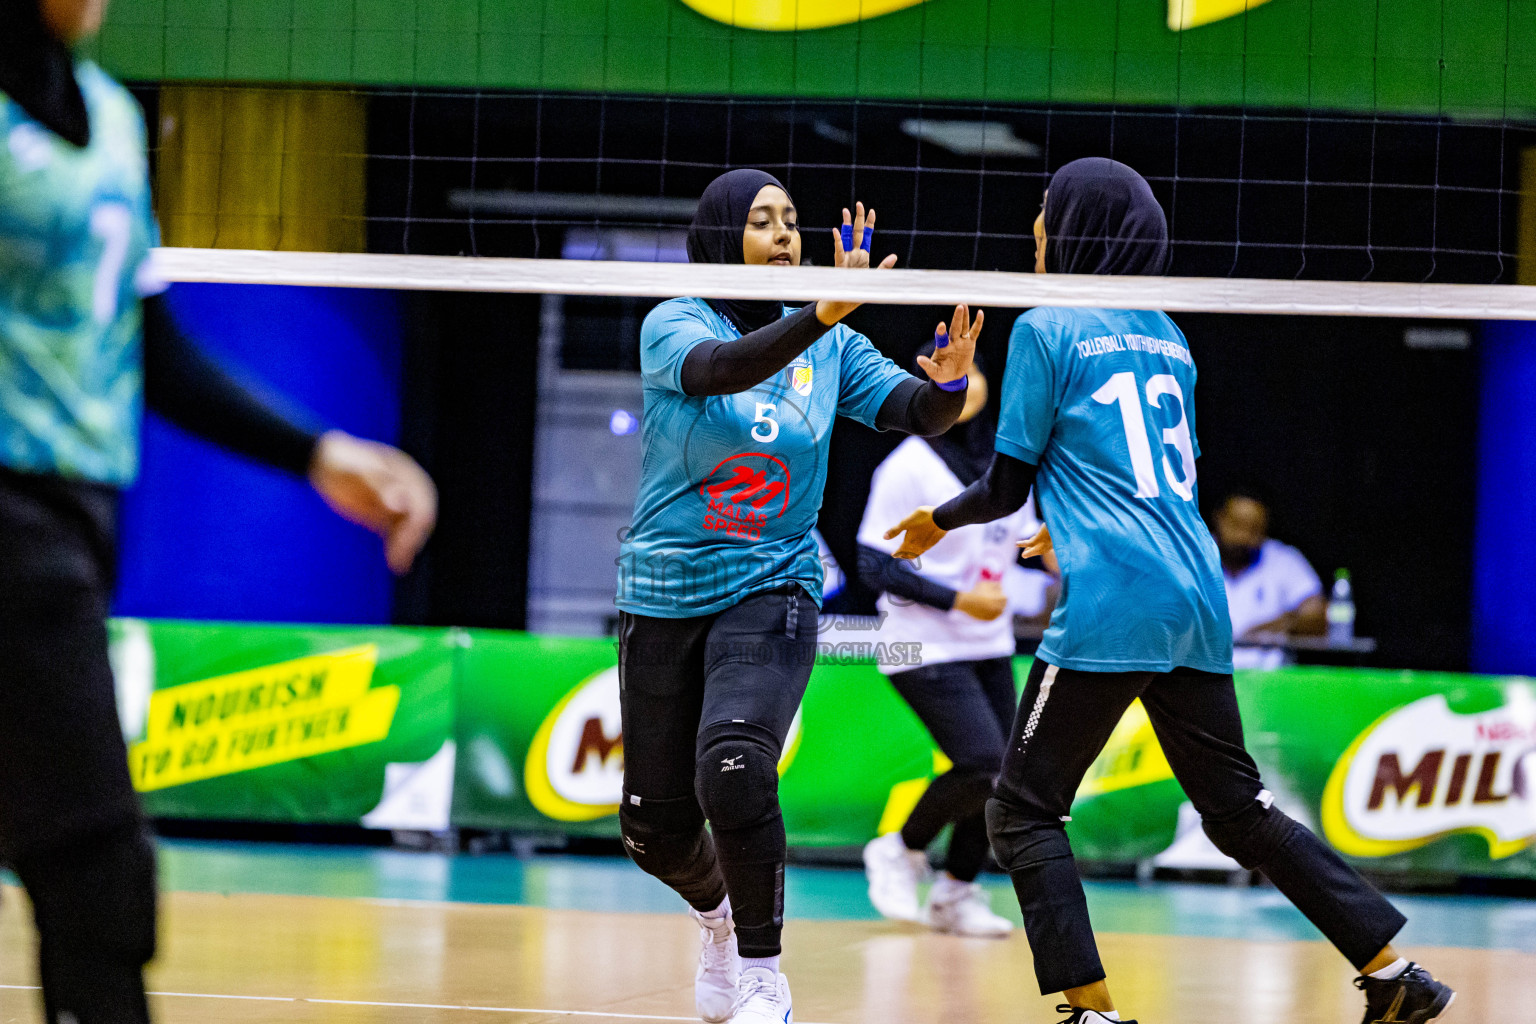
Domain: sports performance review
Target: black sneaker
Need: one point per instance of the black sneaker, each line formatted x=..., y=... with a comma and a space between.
x=1412, y=997
x=1082, y=1016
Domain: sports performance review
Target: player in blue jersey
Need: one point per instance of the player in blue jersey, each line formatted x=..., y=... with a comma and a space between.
x=719, y=579
x=1098, y=415
x=85, y=341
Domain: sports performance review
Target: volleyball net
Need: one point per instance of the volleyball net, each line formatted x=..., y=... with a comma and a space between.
x=1351, y=140
x=638, y=279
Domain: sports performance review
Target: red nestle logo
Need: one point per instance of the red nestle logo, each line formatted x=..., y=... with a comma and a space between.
x=744, y=492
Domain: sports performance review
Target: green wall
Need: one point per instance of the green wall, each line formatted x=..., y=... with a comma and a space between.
x=1467, y=57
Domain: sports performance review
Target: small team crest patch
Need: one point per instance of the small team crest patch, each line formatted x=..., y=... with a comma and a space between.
x=802, y=380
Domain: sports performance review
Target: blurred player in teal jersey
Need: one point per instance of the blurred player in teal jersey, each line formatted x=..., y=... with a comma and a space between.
x=85, y=340
x=1098, y=413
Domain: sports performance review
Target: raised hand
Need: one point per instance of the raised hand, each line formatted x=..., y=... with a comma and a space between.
x=851, y=243
x=850, y=249
x=953, y=348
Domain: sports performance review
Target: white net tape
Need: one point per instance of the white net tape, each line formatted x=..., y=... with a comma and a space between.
x=895, y=287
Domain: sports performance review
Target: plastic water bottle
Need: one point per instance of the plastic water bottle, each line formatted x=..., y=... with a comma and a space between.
x=1341, y=610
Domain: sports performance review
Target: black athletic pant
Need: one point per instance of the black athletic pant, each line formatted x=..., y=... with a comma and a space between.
x=1064, y=720
x=707, y=704
x=70, y=823
x=967, y=707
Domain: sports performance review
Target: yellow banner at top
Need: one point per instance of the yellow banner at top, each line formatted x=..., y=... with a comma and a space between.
x=1184, y=14
x=792, y=15
x=795, y=15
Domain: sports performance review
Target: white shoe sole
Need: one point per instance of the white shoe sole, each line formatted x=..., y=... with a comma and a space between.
x=960, y=933
x=1446, y=1010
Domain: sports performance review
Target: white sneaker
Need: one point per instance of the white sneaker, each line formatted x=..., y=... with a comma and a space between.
x=893, y=872
x=716, y=981
x=763, y=998
x=962, y=908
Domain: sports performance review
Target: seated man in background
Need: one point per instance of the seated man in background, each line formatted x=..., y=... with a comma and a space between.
x=1271, y=588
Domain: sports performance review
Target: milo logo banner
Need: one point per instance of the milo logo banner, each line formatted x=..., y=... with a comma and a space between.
x=1425, y=771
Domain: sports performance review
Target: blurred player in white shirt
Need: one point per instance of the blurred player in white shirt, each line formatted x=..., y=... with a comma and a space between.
x=955, y=607
x=1272, y=589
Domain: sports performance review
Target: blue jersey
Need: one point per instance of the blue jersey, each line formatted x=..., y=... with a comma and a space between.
x=76, y=227
x=1103, y=402
x=731, y=485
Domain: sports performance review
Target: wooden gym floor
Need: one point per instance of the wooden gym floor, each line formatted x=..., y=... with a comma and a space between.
x=408, y=937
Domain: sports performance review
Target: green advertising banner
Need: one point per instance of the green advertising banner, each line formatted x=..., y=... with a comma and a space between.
x=1470, y=58
x=1404, y=772
x=287, y=723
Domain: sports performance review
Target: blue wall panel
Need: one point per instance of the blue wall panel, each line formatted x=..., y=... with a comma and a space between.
x=1504, y=577
x=209, y=535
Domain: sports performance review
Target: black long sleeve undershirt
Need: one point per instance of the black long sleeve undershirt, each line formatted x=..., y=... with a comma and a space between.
x=920, y=407
x=183, y=384
x=716, y=367
x=882, y=573
x=1001, y=491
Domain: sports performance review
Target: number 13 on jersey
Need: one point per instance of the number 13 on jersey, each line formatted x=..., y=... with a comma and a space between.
x=1121, y=389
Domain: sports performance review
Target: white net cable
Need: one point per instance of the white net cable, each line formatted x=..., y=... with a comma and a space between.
x=887, y=287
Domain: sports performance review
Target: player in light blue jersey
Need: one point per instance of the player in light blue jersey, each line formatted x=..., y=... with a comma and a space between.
x=85, y=342
x=719, y=579
x=1098, y=415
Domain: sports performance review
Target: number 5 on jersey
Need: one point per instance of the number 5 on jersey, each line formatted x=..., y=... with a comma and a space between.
x=765, y=422
x=1121, y=389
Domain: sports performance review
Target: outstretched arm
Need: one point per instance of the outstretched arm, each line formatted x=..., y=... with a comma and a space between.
x=183, y=384
x=884, y=574
x=932, y=407
x=920, y=407
x=1000, y=492
x=715, y=367
x=371, y=484
x=718, y=367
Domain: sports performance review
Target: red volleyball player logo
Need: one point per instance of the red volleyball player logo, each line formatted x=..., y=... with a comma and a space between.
x=743, y=492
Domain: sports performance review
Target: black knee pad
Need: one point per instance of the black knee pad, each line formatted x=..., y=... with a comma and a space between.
x=666, y=839
x=738, y=775
x=94, y=895
x=662, y=836
x=1022, y=840
x=1253, y=834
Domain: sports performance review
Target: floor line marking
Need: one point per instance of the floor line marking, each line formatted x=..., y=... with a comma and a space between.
x=402, y=1006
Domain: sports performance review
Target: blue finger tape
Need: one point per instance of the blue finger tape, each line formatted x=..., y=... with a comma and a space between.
x=940, y=338
x=847, y=238
x=869, y=239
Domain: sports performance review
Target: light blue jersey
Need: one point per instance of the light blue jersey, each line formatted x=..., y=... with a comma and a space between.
x=731, y=484
x=1103, y=402
x=76, y=227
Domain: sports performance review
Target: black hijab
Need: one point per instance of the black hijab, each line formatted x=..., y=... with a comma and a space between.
x=715, y=237
x=966, y=448
x=38, y=72
x=1101, y=218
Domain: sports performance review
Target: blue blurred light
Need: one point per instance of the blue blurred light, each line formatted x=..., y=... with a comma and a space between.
x=622, y=422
